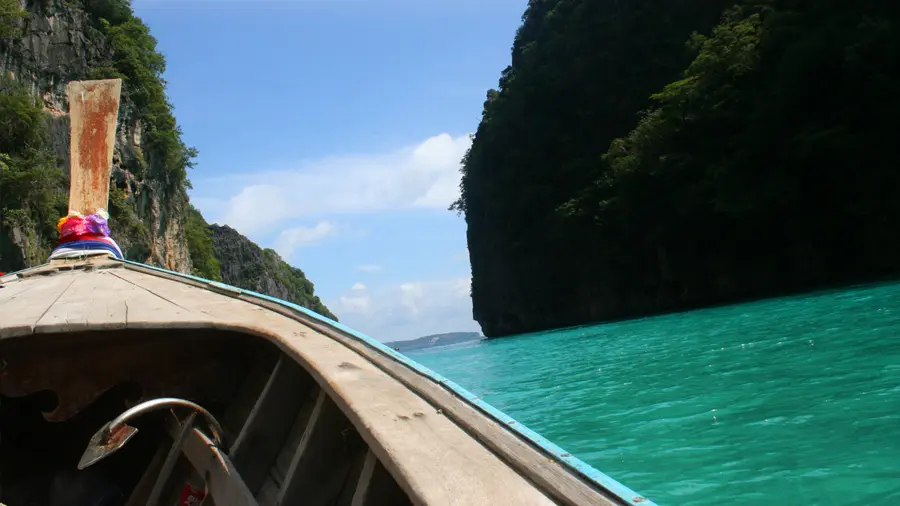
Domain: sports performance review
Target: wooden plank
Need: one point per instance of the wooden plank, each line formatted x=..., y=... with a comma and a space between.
x=174, y=455
x=8, y=278
x=101, y=300
x=165, y=309
x=430, y=456
x=350, y=477
x=271, y=488
x=324, y=458
x=282, y=465
x=140, y=492
x=291, y=476
x=224, y=482
x=12, y=288
x=376, y=486
x=268, y=494
x=20, y=312
x=148, y=309
x=269, y=423
x=363, y=484
x=93, y=111
x=235, y=416
x=94, y=301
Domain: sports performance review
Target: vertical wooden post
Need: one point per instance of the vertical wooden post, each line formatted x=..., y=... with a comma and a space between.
x=93, y=114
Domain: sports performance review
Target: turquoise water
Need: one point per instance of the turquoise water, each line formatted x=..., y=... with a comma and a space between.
x=784, y=401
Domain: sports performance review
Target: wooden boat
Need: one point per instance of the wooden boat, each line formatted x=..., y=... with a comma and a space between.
x=124, y=383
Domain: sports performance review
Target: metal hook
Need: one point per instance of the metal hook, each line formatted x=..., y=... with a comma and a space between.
x=113, y=435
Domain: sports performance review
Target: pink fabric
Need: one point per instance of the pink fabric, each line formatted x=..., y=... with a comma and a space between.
x=72, y=227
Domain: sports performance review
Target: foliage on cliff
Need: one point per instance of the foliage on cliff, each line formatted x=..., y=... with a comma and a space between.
x=148, y=202
x=200, y=243
x=580, y=72
x=10, y=14
x=55, y=41
x=30, y=180
x=605, y=182
x=246, y=265
x=133, y=57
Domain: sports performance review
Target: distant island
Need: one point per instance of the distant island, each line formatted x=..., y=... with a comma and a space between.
x=435, y=340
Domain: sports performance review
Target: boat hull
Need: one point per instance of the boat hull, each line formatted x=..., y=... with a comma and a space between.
x=312, y=409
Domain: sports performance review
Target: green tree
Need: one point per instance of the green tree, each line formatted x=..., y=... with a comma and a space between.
x=200, y=244
x=135, y=58
x=31, y=200
x=10, y=15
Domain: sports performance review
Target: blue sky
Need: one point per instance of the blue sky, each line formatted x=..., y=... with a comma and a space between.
x=331, y=131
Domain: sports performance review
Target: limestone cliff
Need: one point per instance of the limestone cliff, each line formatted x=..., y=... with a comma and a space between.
x=246, y=265
x=44, y=44
x=642, y=157
x=220, y=253
x=59, y=41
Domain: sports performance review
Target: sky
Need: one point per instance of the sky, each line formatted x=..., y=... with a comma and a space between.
x=332, y=131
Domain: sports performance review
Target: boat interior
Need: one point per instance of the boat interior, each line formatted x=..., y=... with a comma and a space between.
x=287, y=441
x=123, y=384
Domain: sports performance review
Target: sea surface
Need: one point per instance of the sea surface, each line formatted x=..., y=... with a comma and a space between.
x=783, y=401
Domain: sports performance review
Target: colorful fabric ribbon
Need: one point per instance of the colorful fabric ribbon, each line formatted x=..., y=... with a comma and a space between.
x=76, y=224
x=80, y=235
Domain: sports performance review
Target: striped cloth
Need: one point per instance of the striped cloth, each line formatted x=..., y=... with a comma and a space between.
x=81, y=235
x=84, y=245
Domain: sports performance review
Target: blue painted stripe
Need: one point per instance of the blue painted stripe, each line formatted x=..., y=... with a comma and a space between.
x=624, y=493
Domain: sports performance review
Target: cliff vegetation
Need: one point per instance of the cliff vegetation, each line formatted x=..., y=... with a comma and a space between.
x=43, y=47
x=248, y=266
x=653, y=155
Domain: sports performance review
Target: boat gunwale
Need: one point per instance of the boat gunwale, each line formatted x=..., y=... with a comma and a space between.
x=577, y=467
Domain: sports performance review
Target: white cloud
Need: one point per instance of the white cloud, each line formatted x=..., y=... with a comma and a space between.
x=408, y=310
x=358, y=287
x=293, y=238
x=369, y=268
x=425, y=176
x=354, y=304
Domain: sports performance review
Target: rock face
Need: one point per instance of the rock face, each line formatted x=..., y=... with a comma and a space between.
x=58, y=42
x=246, y=265
x=643, y=157
x=581, y=71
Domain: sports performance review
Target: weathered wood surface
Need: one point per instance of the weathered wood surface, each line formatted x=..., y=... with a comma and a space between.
x=277, y=476
x=269, y=422
x=50, y=301
x=376, y=487
x=223, y=481
x=24, y=302
x=430, y=456
x=247, y=396
x=99, y=301
x=324, y=457
x=140, y=492
x=429, y=451
x=93, y=111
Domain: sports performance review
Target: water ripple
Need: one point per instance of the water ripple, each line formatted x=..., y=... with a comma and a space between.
x=779, y=401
